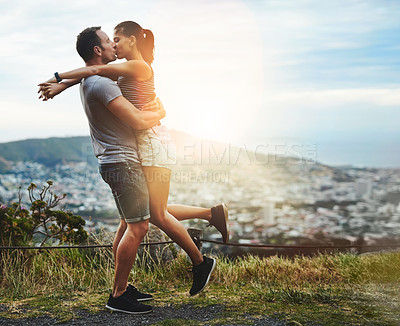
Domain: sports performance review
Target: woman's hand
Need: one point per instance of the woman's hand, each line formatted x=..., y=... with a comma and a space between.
x=49, y=90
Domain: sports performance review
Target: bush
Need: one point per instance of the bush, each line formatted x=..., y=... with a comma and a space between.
x=19, y=226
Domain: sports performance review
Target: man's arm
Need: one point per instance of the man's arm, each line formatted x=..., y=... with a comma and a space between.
x=130, y=115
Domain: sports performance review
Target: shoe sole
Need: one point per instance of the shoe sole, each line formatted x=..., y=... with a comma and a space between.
x=129, y=312
x=222, y=226
x=226, y=213
x=225, y=227
x=208, y=278
x=144, y=299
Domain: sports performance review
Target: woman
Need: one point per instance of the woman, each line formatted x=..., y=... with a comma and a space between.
x=156, y=149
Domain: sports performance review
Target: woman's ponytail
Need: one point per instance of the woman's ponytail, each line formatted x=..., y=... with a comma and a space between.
x=147, y=46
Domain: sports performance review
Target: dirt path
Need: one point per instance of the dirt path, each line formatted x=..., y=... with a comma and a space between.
x=170, y=315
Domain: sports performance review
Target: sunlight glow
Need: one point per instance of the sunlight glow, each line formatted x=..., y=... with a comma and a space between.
x=208, y=66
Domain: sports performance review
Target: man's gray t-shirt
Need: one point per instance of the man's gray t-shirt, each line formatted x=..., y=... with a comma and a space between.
x=113, y=141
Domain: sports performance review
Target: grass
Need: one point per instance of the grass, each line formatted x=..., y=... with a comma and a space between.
x=332, y=289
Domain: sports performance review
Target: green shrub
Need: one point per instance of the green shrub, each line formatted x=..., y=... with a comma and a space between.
x=19, y=226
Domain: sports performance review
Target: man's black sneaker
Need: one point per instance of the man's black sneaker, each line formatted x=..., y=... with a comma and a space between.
x=125, y=303
x=201, y=275
x=136, y=294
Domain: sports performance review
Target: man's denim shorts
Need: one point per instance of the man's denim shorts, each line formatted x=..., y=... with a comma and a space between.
x=129, y=188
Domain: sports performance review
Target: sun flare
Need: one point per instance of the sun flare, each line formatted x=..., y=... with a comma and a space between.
x=210, y=75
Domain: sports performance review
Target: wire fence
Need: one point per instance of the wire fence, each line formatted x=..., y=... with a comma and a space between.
x=199, y=240
x=311, y=246
x=77, y=247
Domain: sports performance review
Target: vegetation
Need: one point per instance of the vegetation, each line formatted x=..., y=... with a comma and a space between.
x=19, y=226
x=335, y=289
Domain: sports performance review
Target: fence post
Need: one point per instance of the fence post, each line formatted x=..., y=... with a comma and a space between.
x=196, y=235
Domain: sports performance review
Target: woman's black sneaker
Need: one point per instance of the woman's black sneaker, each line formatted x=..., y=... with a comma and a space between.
x=125, y=303
x=136, y=294
x=201, y=275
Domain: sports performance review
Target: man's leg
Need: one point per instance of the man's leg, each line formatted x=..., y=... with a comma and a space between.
x=118, y=236
x=122, y=299
x=129, y=188
x=126, y=254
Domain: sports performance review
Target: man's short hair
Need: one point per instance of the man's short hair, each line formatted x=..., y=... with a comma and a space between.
x=86, y=41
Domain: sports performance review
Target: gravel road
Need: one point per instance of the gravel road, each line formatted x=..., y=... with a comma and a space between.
x=186, y=312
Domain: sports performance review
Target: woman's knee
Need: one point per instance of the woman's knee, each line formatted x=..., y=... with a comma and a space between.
x=158, y=216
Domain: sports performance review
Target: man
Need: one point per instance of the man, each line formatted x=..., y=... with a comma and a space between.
x=115, y=146
x=111, y=119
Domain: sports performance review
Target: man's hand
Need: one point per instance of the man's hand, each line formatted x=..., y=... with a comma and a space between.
x=154, y=105
x=161, y=108
x=49, y=90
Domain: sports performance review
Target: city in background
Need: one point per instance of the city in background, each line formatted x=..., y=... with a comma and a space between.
x=285, y=197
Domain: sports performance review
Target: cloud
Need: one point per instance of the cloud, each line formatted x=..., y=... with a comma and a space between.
x=316, y=59
x=331, y=113
x=30, y=119
x=301, y=33
x=337, y=98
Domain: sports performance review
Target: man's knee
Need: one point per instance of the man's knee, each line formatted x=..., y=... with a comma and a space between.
x=139, y=229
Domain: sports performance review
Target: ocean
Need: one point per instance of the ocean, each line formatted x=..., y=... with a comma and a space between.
x=373, y=153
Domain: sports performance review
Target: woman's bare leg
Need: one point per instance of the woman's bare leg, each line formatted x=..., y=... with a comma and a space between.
x=184, y=212
x=158, y=180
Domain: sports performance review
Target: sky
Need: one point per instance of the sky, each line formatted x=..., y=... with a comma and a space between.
x=302, y=72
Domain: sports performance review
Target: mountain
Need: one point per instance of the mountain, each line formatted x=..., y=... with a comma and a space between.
x=191, y=151
x=56, y=150
x=49, y=151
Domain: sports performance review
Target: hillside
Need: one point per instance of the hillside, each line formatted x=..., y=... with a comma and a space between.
x=55, y=150
x=48, y=152
x=190, y=151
